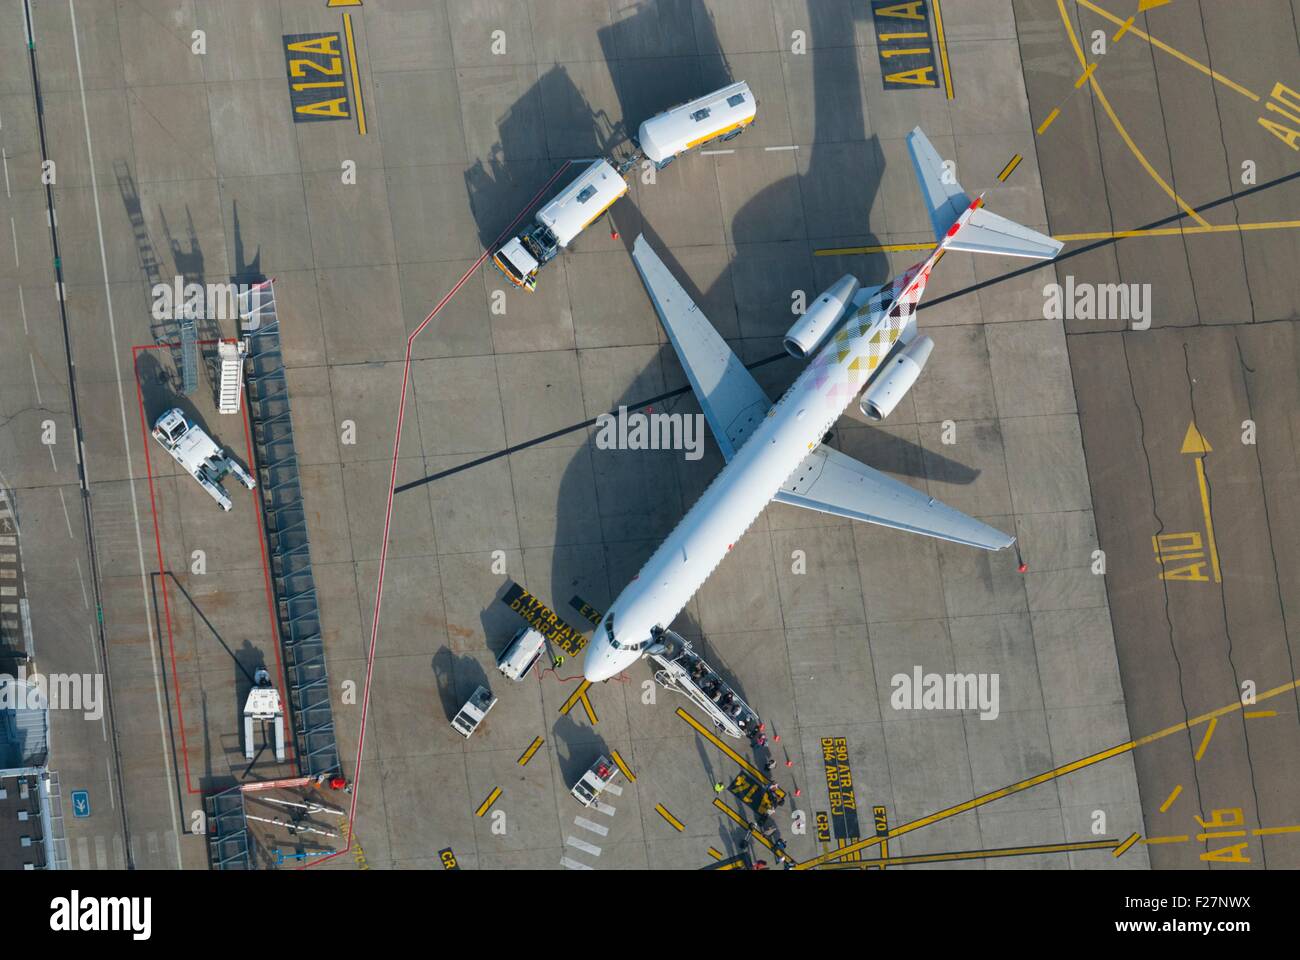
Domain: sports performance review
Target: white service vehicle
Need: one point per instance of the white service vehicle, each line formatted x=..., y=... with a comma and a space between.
x=521, y=653
x=556, y=224
x=471, y=715
x=721, y=115
x=593, y=783
x=199, y=455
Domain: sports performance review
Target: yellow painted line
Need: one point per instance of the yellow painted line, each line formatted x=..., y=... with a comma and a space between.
x=708, y=734
x=1011, y=166
x=715, y=854
x=1187, y=231
x=663, y=812
x=943, y=49
x=1041, y=778
x=1272, y=831
x=486, y=805
x=913, y=35
x=879, y=248
x=1213, y=714
x=356, y=80
x=1119, y=126
x=1051, y=118
x=1123, y=847
x=1209, y=523
x=1128, y=24
x=622, y=765
x=1160, y=45
x=532, y=749
x=1221, y=836
x=1256, y=714
x=1179, y=231
x=970, y=805
x=1164, y=807
x=883, y=862
x=1087, y=74
x=575, y=697
x=1154, y=840
x=1205, y=742
x=743, y=822
x=590, y=710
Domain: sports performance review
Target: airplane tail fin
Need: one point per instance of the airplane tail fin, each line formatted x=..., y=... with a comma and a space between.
x=962, y=224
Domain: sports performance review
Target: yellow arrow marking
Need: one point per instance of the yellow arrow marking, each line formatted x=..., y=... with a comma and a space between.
x=1194, y=442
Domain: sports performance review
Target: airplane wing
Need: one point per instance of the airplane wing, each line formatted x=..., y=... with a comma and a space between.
x=832, y=482
x=732, y=401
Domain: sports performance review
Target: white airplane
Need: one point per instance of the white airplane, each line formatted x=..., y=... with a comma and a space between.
x=869, y=344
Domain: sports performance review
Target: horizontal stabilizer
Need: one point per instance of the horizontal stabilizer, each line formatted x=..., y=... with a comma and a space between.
x=978, y=230
x=832, y=482
x=986, y=232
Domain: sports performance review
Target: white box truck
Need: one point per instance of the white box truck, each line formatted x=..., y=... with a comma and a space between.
x=558, y=222
x=721, y=115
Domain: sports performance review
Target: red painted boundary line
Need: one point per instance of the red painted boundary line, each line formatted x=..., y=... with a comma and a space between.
x=153, y=507
x=388, y=512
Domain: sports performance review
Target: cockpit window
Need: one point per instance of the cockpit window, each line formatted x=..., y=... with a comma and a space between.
x=609, y=631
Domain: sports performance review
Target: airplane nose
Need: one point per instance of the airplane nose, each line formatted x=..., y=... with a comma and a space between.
x=598, y=667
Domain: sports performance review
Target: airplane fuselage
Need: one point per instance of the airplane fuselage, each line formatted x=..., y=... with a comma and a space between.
x=794, y=426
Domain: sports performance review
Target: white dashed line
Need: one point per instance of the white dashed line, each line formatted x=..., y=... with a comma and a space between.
x=593, y=827
x=167, y=765
x=584, y=846
x=790, y=147
x=85, y=602
x=13, y=231
x=604, y=808
x=66, y=518
x=569, y=864
x=715, y=153
x=35, y=383
x=4, y=158
x=614, y=788
x=22, y=305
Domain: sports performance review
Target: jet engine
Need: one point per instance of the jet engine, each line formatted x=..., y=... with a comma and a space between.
x=882, y=396
x=819, y=320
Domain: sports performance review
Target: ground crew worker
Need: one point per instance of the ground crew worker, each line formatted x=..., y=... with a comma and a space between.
x=557, y=661
x=718, y=787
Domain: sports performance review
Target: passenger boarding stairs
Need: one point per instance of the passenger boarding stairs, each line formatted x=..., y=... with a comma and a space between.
x=231, y=388
x=683, y=670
